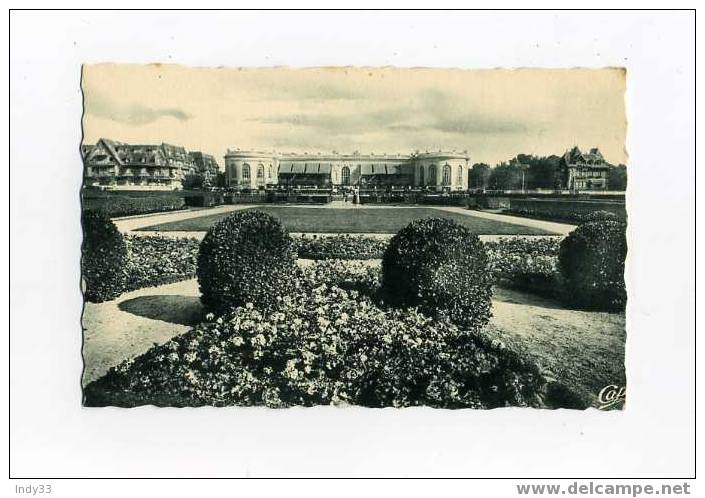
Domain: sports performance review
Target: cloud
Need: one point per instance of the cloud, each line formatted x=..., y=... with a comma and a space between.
x=131, y=114
x=306, y=85
x=432, y=111
x=450, y=113
x=338, y=123
x=477, y=125
x=495, y=114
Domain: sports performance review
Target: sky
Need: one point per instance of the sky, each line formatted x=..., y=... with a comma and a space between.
x=494, y=114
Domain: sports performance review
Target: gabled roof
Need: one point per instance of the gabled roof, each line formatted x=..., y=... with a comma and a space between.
x=109, y=147
x=86, y=150
x=127, y=154
x=592, y=158
x=143, y=154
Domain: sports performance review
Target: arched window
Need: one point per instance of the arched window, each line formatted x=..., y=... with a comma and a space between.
x=345, y=174
x=446, y=175
x=269, y=172
x=245, y=172
x=432, y=174
x=460, y=176
x=422, y=180
x=260, y=173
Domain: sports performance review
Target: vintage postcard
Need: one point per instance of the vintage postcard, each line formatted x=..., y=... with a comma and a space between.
x=376, y=237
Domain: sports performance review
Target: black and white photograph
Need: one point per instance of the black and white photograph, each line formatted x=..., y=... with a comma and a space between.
x=430, y=252
x=378, y=237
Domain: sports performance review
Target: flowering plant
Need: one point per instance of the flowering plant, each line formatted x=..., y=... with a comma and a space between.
x=156, y=260
x=340, y=247
x=326, y=345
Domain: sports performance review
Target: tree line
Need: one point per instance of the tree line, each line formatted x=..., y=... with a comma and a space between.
x=533, y=172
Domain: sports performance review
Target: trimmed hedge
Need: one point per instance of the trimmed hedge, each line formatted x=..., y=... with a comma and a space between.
x=591, y=261
x=441, y=267
x=117, y=205
x=104, y=258
x=324, y=346
x=245, y=258
x=577, y=211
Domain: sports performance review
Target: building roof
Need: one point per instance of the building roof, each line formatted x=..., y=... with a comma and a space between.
x=592, y=159
x=124, y=154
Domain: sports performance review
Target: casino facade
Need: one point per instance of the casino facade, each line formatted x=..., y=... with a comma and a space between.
x=254, y=170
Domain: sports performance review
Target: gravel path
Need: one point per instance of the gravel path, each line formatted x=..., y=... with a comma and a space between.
x=560, y=228
x=131, y=324
x=131, y=223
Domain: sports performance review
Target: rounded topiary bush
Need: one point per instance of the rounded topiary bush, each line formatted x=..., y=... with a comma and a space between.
x=104, y=258
x=441, y=267
x=591, y=262
x=245, y=258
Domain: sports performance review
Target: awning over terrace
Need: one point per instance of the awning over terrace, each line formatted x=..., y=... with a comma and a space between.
x=379, y=169
x=305, y=169
x=291, y=168
x=387, y=175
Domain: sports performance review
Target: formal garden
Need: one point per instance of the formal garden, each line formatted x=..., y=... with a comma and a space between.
x=340, y=220
x=431, y=316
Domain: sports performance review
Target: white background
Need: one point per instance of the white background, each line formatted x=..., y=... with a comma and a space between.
x=53, y=436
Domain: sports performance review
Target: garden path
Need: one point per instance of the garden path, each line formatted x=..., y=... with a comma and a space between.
x=128, y=224
x=552, y=226
x=134, y=322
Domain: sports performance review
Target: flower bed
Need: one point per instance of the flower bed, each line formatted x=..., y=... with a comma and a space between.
x=345, y=274
x=340, y=247
x=522, y=263
x=323, y=345
x=155, y=260
x=529, y=264
x=525, y=263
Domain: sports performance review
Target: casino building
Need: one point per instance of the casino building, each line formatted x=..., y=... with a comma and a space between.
x=441, y=171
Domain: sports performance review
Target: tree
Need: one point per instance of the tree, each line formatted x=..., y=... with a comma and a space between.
x=617, y=178
x=506, y=176
x=192, y=182
x=480, y=175
x=540, y=172
x=220, y=179
x=544, y=172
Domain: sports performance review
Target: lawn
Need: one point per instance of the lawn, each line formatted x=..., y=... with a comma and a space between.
x=363, y=220
x=582, y=349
